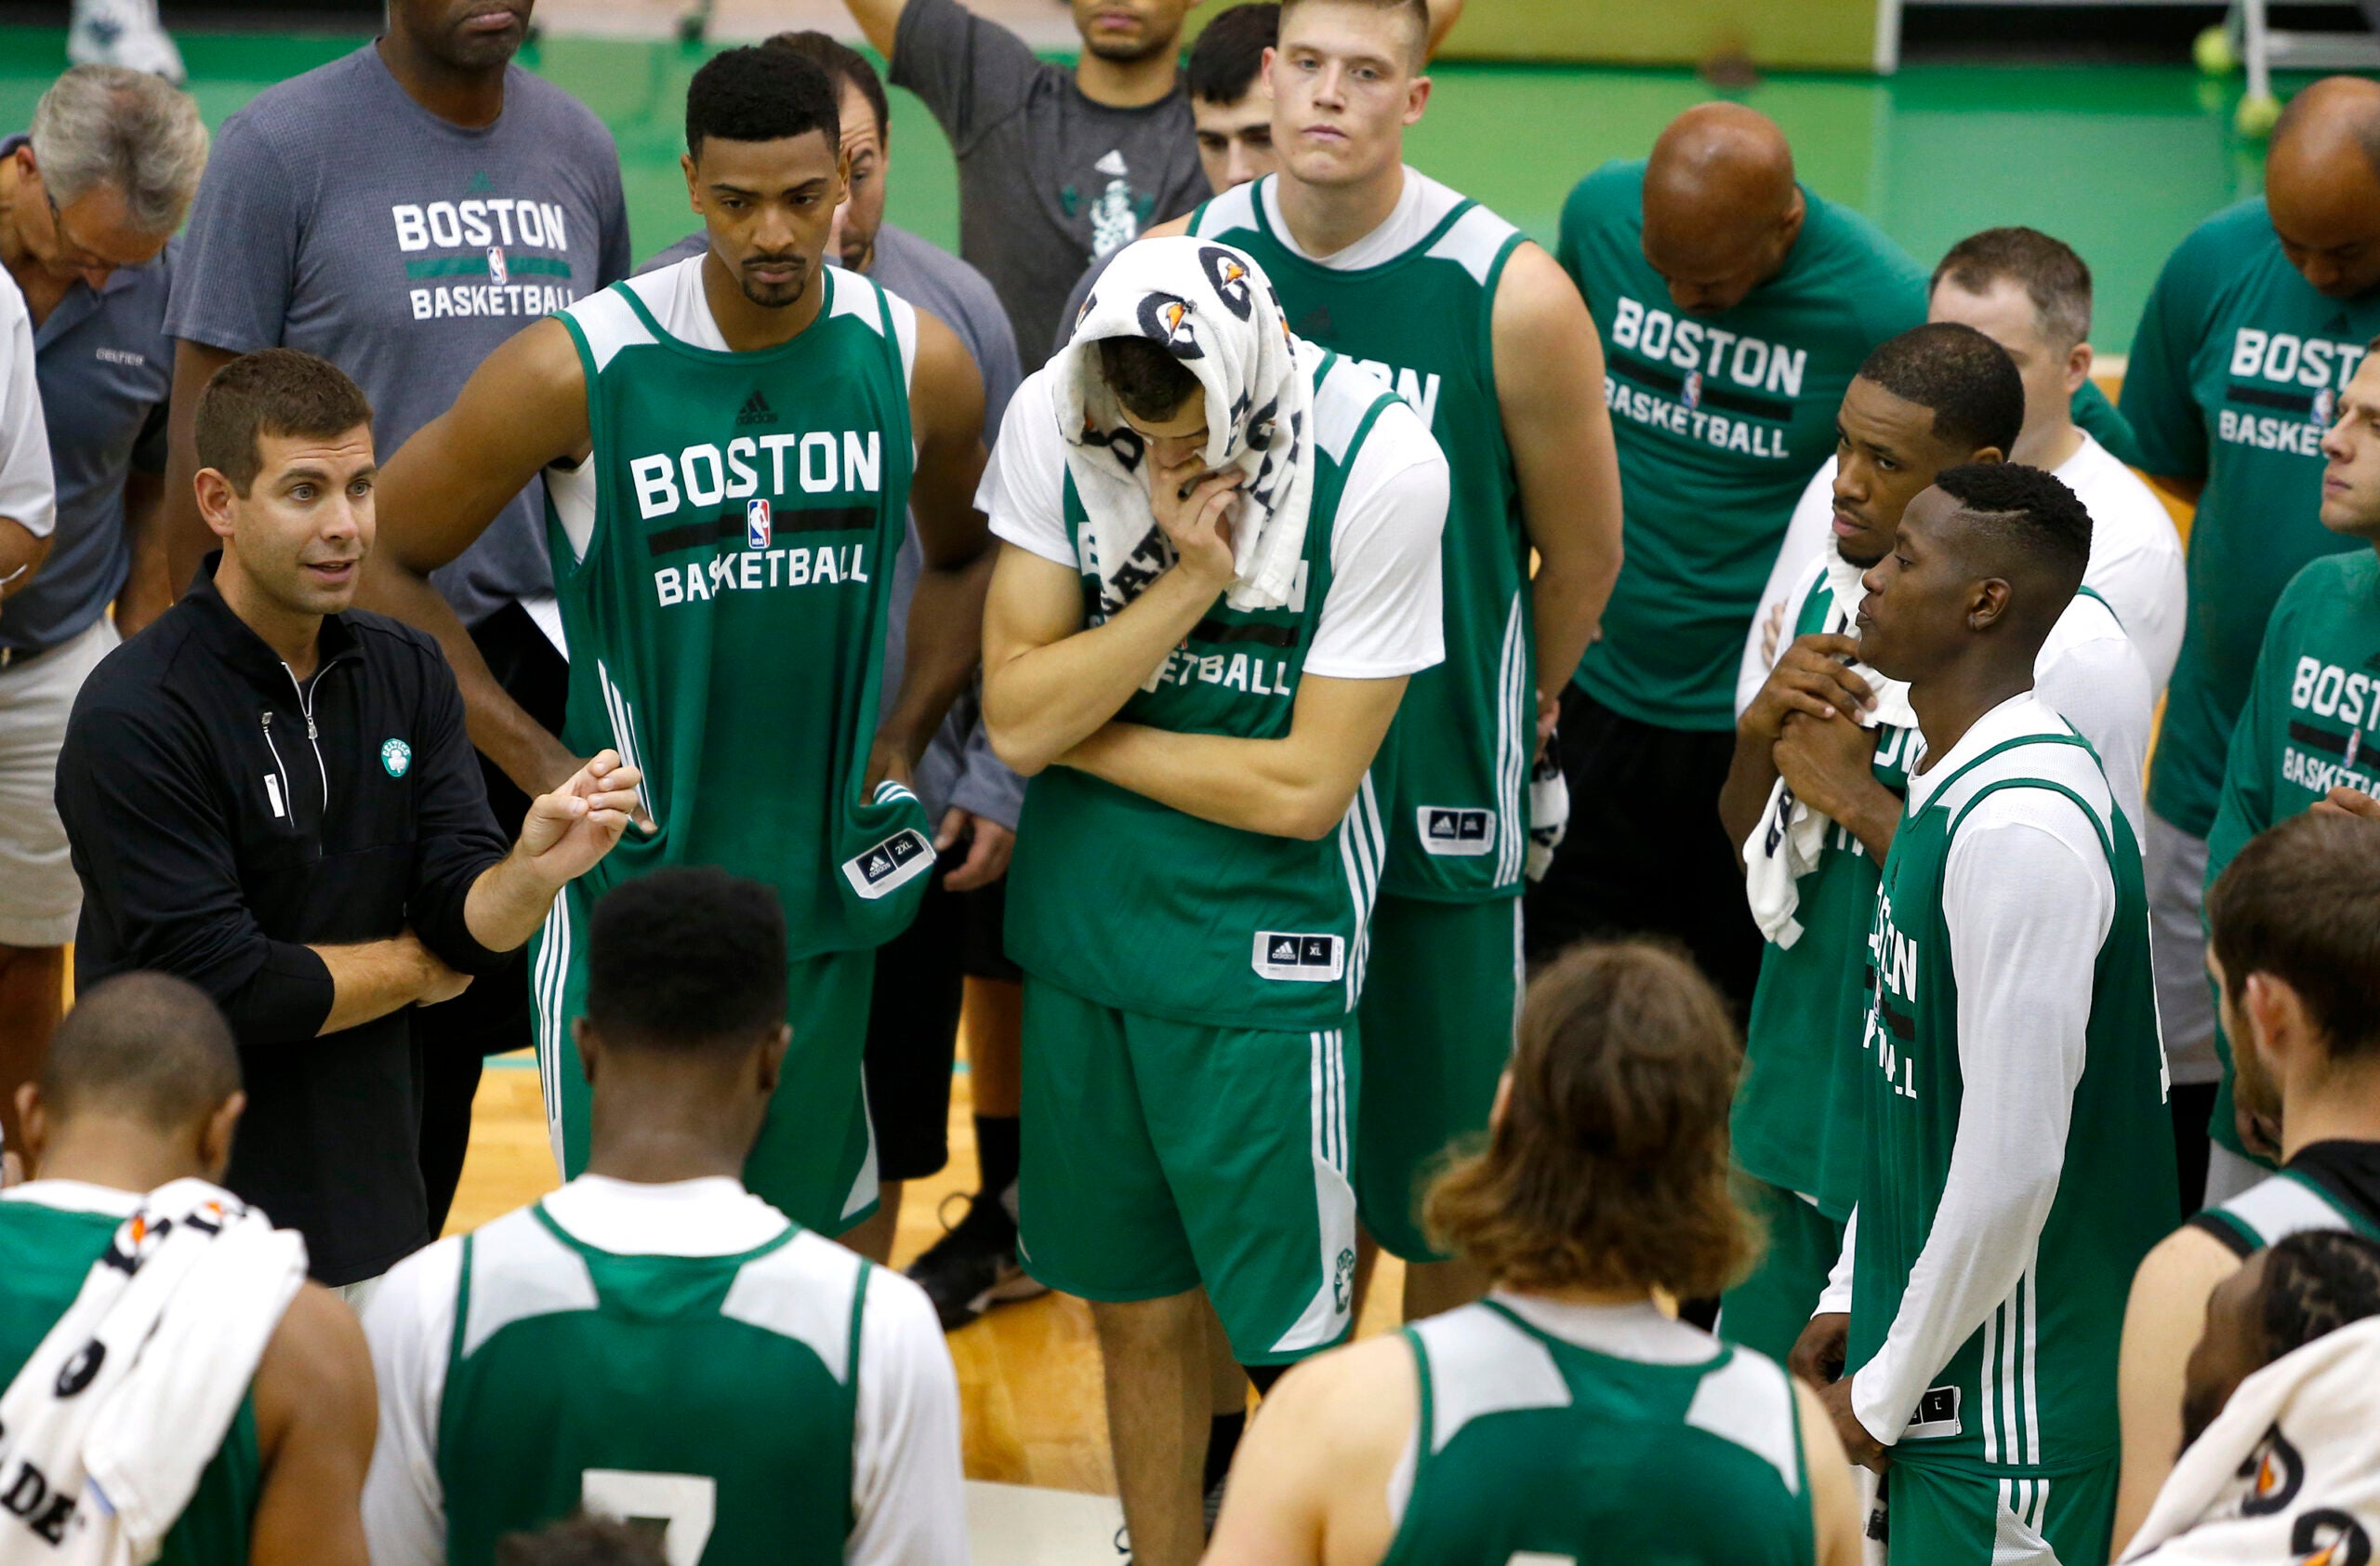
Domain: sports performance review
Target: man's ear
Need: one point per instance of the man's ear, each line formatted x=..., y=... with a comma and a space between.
x=1988, y=454
x=693, y=192
x=2284, y=1030
x=1987, y=602
x=215, y=496
x=590, y=1048
x=216, y=1134
x=33, y=1116
x=772, y=1055
x=2078, y=366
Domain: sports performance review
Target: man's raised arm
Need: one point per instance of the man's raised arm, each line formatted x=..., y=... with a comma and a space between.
x=523, y=409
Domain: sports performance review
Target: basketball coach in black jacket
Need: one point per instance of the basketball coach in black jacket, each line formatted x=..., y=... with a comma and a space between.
x=273, y=796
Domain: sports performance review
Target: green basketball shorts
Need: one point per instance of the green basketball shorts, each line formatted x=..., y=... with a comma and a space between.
x=1159, y=1156
x=1953, y=1517
x=815, y=1158
x=1768, y=1309
x=1442, y=993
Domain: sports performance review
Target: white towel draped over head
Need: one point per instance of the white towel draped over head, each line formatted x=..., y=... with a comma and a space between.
x=127, y=1400
x=2288, y=1473
x=1213, y=309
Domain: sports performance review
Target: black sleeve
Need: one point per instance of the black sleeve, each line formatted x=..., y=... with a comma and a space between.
x=154, y=848
x=149, y=450
x=456, y=837
x=971, y=73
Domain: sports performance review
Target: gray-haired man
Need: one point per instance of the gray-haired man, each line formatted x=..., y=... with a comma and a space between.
x=88, y=198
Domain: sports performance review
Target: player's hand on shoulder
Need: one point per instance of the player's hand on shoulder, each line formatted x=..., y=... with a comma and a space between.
x=1194, y=507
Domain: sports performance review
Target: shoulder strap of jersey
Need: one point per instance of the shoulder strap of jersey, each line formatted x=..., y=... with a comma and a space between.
x=851, y=1378
x=2107, y=844
x=652, y=324
x=2349, y=1214
x=1424, y=1407
x=462, y=1304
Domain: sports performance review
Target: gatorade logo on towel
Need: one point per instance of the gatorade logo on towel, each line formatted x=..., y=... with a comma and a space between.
x=1300, y=959
x=1446, y=830
x=895, y=862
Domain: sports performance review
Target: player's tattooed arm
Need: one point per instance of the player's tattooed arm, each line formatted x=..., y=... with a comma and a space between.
x=946, y=630
x=1549, y=386
x=522, y=410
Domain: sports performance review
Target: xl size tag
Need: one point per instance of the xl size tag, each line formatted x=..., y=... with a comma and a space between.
x=1936, y=1415
x=1450, y=830
x=895, y=862
x=1300, y=959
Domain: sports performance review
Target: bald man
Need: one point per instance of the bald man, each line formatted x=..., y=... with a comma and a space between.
x=2250, y=336
x=1735, y=306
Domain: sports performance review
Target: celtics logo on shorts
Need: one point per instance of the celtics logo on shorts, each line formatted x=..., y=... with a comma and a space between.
x=396, y=757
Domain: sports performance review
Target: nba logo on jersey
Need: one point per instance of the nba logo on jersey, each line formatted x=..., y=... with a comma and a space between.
x=2326, y=403
x=1297, y=957
x=757, y=527
x=496, y=271
x=1449, y=830
x=1691, y=393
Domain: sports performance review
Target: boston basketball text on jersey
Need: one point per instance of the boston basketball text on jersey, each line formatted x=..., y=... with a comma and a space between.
x=1715, y=364
x=817, y=462
x=2329, y=691
x=2315, y=369
x=491, y=276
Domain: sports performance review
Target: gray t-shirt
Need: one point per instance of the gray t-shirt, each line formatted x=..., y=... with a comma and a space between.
x=958, y=768
x=105, y=368
x=340, y=217
x=1049, y=181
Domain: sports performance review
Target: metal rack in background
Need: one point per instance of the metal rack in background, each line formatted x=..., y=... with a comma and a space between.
x=2247, y=37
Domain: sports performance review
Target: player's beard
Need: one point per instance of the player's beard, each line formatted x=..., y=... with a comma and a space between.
x=790, y=294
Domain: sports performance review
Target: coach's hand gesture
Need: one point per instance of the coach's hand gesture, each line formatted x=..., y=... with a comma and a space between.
x=569, y=830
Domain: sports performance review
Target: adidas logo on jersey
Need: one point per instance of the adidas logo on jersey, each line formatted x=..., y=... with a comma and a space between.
x=895, y=862
x=1301, y=959
x=1448, y=830
x=756, y=410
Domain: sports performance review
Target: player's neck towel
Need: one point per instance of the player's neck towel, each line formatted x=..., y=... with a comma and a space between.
x=1786, y=843
x=127, y=1400
x=2288, y=1472
x=1212, y=307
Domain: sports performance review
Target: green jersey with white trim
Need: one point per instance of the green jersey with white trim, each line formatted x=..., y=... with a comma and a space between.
x=2033, y=1386
x=2311, y=724
x=1123, y=900
x=714, y=1394
x=1421, y=319
x=724, y=565
x=1572, y=1435
x=1796, y=1117
x=50, y=1248
x=2290, y=1203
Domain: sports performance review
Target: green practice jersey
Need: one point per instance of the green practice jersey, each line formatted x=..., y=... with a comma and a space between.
x=711, y=1394
x=724, y=563
x=1720, y=422
x=2235, y=373
x=1419, y=317
x=2291, y=1202
x=1796, y=1119
x=1128, y=902
x=2311, y=722
x=2033, y=1386
x=1635, y=1438
x=46, y=1249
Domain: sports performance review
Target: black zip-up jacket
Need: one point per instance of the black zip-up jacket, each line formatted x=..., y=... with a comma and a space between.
x=224, y=820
